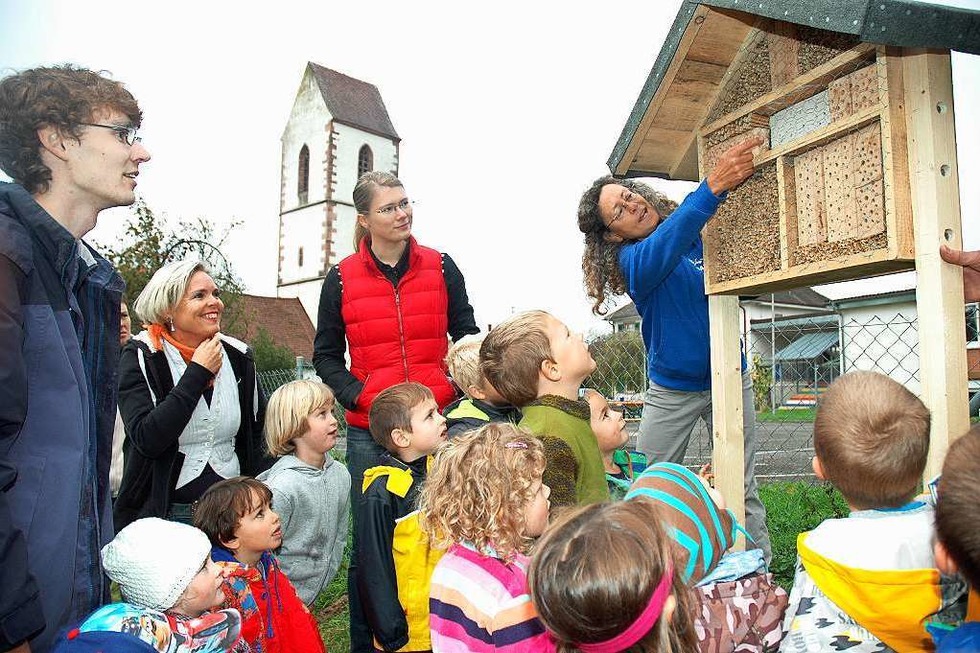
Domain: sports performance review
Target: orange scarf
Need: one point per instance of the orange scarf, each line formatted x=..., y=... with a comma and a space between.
x=158, y=334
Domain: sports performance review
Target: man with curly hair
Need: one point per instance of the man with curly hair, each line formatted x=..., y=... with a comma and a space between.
x=68, y=140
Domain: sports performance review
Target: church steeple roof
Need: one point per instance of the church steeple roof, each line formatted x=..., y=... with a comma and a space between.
x=353, y=102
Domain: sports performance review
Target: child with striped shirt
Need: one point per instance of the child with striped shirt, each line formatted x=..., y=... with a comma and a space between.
x=484, y=501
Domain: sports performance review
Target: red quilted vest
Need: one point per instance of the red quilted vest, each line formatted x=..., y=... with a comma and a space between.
x=395, y=334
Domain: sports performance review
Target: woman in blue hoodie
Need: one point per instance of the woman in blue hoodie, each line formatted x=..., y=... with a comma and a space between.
x=637, y=242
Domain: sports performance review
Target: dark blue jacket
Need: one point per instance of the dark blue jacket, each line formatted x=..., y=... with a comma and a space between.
x=59, y=355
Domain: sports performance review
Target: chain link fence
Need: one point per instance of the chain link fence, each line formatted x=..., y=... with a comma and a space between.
x=269, y=380
x=792, y=362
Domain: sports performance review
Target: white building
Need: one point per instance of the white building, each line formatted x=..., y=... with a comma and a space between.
x=338, y=129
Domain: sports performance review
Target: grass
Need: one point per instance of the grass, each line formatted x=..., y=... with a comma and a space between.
x=331, y=611
x=793, y=507
x=788, y=415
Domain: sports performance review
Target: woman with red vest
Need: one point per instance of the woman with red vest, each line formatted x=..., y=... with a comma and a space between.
x=393, y=302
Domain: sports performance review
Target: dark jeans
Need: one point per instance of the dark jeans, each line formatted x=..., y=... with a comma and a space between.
x=362, y=453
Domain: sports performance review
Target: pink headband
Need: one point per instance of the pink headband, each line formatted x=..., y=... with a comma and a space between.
x=643, y=623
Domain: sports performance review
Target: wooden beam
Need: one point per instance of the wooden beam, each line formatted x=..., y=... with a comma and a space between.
x=936, y=219
x=801, y=88
x=818, y=137
x=728, y=452
x=639, y=136
x=840, y=268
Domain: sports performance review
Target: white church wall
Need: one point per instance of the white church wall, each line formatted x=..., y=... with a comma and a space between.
x=308, y=293
x=302, y=228
x=306, y=126
x=348, y=141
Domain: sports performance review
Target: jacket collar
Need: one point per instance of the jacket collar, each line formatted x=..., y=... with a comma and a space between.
x=57, y=243
x=578, y=408
x=367, y=258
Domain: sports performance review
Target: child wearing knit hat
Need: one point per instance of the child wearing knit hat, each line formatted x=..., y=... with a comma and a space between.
x=169, y=584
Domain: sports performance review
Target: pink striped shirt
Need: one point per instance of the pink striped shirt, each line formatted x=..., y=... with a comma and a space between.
x=479, y=603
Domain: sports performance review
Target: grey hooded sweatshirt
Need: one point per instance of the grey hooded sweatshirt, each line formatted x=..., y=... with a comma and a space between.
x=313, y=505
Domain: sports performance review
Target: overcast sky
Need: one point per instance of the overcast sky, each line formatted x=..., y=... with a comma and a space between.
x=507, y=111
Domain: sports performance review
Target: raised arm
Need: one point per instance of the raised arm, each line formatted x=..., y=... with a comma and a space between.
x=647, y=263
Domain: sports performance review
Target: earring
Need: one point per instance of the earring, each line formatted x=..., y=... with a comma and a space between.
x=170, y=325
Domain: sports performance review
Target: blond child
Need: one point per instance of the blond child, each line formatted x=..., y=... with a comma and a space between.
x=538, y=364
x=394, y=559
x=237, y=516
x=609, y=427
x=484, y=501
x=310, y=490
x=482, y=402
x=170, y=585
x=869, y=581
x=604, y=580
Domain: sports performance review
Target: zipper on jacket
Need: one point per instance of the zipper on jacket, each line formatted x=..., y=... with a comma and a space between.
x=401, y=331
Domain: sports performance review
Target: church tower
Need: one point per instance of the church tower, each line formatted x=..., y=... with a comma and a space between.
x=338, y=129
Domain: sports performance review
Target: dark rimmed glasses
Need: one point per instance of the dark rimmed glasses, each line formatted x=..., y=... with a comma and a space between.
x=126, y=133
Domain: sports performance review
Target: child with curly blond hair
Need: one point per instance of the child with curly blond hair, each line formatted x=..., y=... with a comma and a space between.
x=484, y=501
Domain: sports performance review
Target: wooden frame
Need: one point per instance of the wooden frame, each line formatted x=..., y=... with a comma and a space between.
x=897, y=252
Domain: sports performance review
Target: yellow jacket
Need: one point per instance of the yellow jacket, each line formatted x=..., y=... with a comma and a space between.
x=395, y=562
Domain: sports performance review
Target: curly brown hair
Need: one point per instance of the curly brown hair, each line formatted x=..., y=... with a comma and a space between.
x=478, y=488
x=56, y=96
x=600, y=261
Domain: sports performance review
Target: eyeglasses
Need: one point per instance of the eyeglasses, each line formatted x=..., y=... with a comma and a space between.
x=405, y=205
x=127, y=134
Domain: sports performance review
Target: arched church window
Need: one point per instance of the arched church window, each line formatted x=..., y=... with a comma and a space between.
x=365, y=160
x=303, y=185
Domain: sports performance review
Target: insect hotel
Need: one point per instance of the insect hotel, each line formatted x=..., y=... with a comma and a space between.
x=857, y=176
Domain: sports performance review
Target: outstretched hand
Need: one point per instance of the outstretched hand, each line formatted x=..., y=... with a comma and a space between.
x=970, y=262
x=734, y=166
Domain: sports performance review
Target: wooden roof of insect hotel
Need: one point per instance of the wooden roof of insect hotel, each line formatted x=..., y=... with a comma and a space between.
x=704, y=44
x=823, y=86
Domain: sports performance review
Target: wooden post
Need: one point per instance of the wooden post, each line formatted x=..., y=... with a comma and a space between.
x=728, y=454
x=936, y=218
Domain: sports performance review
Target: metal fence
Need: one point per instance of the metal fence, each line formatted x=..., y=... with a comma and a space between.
x=269, y=380
x=792, y=362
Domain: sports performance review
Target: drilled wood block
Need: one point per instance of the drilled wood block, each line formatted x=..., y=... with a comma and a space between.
x=714, y=152
x=870, y=209
x=867, y=154
x=840, y=98
x=838, y=179
x=864, y=88
x=810, y=220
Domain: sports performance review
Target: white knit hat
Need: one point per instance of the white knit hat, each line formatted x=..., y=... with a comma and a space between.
x=154, y=560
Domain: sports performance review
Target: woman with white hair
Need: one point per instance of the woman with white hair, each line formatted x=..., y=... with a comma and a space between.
x=188, y=397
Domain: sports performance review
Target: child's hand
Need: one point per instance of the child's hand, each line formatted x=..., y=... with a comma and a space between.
x=708, y=478
x=705, y=474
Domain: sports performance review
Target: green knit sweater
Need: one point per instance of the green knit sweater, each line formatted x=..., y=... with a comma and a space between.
x=573, y=454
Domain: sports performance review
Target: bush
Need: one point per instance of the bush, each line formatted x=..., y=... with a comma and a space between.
x=268, y=355
x=793, y=508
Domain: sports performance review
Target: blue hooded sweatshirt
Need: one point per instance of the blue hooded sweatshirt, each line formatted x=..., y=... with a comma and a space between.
x=664, y=276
